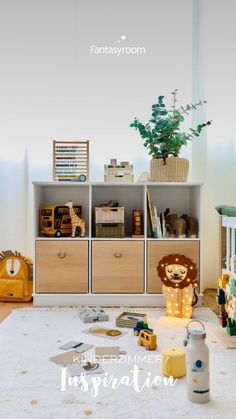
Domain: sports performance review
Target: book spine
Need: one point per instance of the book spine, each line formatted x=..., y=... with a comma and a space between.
x=156, y=232
x=150, y=211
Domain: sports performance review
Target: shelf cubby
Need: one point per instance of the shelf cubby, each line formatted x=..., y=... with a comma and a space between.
x=129, y=196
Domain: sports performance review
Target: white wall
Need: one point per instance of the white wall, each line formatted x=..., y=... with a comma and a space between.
x=51, y=87
x=214, y=156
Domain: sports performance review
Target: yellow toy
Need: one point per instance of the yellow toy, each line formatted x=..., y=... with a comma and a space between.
x=223, y=281
x=55, y=220
x=178, y=275
x=173, y=362
x=16, y=274
x=147, y=339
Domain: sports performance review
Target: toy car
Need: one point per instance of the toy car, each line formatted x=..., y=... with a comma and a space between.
x=140, y=325
x=90, y=315
x=147, y=339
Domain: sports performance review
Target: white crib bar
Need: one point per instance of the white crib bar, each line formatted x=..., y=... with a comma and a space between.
x=232, y=242
x=228, y=248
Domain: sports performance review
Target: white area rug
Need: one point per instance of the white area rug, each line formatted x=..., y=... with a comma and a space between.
x=30, y=383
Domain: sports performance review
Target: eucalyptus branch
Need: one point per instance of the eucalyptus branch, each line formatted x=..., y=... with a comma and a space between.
x=174, y=100
x=162, y=134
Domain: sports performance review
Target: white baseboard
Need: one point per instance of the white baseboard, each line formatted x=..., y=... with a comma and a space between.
x=129, y=300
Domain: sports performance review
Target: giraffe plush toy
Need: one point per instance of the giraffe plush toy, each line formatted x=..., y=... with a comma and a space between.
x=75, y=220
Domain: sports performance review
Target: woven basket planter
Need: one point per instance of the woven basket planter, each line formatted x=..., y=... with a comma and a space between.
x=175, y=170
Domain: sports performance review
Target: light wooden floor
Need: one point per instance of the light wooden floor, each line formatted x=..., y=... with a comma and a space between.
x=209, y=300
x=6, y=308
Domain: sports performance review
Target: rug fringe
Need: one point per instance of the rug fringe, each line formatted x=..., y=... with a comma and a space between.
x=109, y=309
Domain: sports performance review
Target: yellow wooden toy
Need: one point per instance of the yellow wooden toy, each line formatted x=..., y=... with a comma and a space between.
x=223, y=281
x=55, y=220
x=147, y=339
x=173, y=362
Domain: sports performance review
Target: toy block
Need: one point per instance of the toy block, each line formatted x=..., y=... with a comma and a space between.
x=231, y=327
x=140, y=325
x=220, y=296
x=223, y=316
x=223, y=281
x=232, y=313
x=233, y=303
x=231, y=286
x=89, y=315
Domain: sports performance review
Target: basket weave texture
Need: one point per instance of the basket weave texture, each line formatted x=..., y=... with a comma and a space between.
x=175, y=170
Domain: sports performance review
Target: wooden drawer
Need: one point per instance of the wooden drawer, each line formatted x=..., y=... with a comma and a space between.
x=117, y=266
x=156, y=250
x=61, y=266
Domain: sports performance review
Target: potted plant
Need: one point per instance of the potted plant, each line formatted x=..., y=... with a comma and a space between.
x=164, y=138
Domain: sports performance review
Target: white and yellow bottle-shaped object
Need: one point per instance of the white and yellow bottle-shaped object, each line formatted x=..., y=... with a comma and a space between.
x=197, y=360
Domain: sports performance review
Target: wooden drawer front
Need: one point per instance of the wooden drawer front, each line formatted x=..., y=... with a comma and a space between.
x=62, y=266
x=117, y=266
x=157, y=250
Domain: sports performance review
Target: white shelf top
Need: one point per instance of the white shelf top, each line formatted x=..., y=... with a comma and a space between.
x=42, y=238
x=135, y=184
x=174, y=239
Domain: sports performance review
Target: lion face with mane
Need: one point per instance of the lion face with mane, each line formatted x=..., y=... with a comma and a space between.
x=177, y=271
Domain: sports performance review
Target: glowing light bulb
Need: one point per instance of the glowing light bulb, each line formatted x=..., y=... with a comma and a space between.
x=176, y=304
x=183, y=301
x=172, y=295
x=176, y=259
x=188, y=280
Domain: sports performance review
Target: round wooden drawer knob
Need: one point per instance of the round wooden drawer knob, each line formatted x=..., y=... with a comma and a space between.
x=117, y=255
x=61, y=255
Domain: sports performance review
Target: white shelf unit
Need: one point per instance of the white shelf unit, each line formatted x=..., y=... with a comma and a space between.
x=181, y=198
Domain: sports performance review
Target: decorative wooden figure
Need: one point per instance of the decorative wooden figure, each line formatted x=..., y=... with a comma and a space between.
x=71, y=161
x=191, y=225
x=178, y=275
x=75, y=220
x=175, y=225
x=137, y=223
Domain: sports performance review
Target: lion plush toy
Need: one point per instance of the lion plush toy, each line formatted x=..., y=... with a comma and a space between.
x=178, y=275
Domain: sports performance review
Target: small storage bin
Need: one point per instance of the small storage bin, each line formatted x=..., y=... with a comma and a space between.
x=109, y=230
x=109, y=215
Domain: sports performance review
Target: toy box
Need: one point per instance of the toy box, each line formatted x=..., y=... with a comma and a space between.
x=90, y=315
x=118, y=173
x=129, y=319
